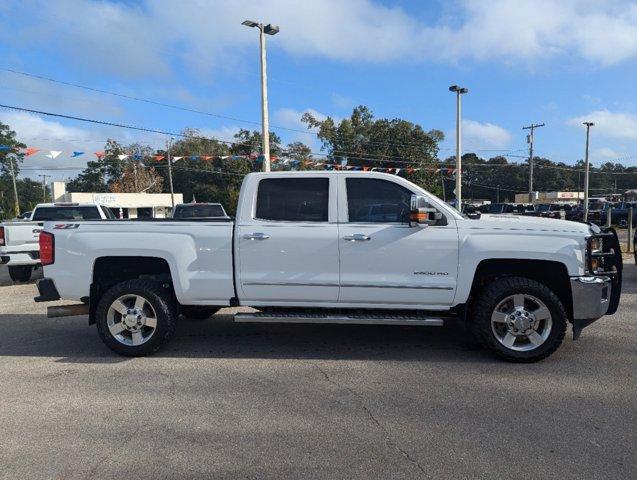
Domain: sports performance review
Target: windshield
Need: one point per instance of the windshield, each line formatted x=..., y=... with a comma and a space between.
x=66, y=213
x=199, y=211
x=494, y=208
x=544, y=207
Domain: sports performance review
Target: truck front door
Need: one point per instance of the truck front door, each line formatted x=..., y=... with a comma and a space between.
x=288, y=244
x=384, y=261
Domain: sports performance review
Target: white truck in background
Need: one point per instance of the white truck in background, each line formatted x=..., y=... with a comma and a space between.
x=19, y=249
x=336, y=247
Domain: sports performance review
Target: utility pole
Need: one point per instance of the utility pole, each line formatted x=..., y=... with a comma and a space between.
x=16, y=203
x=586, y=169
x=264, y=30
x=458, y=91
x=170, y=172
x=529, y=140
x=44, y=177
x=442, y=182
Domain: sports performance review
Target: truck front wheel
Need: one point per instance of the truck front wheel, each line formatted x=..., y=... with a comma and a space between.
x=20, y=273
x=519, y=319
x=136, y=317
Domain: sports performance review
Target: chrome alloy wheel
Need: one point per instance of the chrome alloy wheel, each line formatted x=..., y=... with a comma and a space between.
x=131, y=319
x=521, y=322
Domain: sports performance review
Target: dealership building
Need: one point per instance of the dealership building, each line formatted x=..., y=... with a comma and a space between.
x=123, y=205
x=550, y=197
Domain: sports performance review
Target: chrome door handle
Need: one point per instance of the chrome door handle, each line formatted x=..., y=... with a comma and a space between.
x=256, y=236
x=357, y=237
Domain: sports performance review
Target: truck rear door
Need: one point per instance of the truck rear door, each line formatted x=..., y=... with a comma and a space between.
x=287, y=243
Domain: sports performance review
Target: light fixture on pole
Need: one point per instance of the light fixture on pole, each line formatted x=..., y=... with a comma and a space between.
x=458, y=91
x=265, y=124
x=588, y=128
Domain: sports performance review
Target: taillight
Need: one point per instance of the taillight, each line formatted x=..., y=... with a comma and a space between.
x=47, y=248
x=1, y=236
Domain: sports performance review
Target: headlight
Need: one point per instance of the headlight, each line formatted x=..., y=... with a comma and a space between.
x=596, y=244
x=595, y=264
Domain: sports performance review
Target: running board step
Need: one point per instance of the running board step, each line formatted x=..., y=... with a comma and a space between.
x=289, y=317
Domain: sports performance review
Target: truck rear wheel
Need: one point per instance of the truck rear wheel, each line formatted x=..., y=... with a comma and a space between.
x=519, y=319
x=20, y=273
x=136, y=317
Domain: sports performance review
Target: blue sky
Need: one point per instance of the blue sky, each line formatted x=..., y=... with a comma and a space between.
x=557, y=62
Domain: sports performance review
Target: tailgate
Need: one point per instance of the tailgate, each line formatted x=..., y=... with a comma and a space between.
x=18, y=234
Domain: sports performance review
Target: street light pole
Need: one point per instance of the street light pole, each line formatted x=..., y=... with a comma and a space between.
x=458, y=91
x=264, y=30
x=44, y=177
x=586, y=164
x=530, y=139
x=170, y=172
x=16, y=202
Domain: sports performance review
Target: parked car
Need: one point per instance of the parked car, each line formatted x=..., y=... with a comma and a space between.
x=303, y=250
x=19, y=249
x=498, y=208
x=199, y=210
x=619, y=213
x=553, y=210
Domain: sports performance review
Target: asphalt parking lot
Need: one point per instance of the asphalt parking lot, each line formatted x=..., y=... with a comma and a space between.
x=302, y=401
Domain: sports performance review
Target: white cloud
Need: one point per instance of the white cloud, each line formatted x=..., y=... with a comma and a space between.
x=155, y=37
x=478, y=135
x=618, y=125
x=290, y=118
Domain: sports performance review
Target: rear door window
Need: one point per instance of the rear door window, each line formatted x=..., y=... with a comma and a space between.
x=293, y=199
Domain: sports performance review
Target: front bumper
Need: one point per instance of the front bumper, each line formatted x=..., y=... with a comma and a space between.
x=591, y=297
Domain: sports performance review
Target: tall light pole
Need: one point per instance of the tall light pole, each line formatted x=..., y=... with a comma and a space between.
x=16, y=202
x=529, y=140
x=264, y=30
x=44, y=177
x=588, y=128
x=458, y=91
x=170, y=171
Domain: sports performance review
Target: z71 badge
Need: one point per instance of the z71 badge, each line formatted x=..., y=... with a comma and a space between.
x=435, y=274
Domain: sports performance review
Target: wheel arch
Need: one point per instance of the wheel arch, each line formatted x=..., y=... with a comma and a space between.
x=111, y=270
x=550, y=273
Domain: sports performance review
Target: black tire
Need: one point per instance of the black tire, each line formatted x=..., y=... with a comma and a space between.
x=20, y=273
x=195, y=312
x=492, y=295
x=158, y=297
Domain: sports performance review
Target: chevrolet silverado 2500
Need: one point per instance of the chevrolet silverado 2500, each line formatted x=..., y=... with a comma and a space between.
x=19, y=249
x=336, y=247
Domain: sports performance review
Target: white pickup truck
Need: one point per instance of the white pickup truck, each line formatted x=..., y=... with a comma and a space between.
x=19, y=249
x=336, y=247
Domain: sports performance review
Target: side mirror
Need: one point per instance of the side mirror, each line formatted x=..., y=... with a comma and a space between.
x=421, y=214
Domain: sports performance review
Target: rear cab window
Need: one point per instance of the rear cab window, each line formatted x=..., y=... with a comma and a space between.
x=292, y=199
x=44, y=214
x=199, y=211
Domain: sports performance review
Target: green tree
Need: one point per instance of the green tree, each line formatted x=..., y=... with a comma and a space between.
x=362, y=140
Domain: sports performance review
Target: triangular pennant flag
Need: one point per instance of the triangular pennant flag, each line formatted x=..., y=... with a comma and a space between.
x=53, y=154
x=159, y=158
x=77, y=154
x=365, y=169
x=177, y=158
x=224, y=157
x=137, y=157
x=398, y=170
x=30, y=151
x=410, y=170
x=5, y=148
x=99, y=155
x=123, y=157
x=194, y=157
x=206, y=157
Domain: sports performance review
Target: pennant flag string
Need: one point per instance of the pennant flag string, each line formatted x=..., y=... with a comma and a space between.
x=53, y=154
